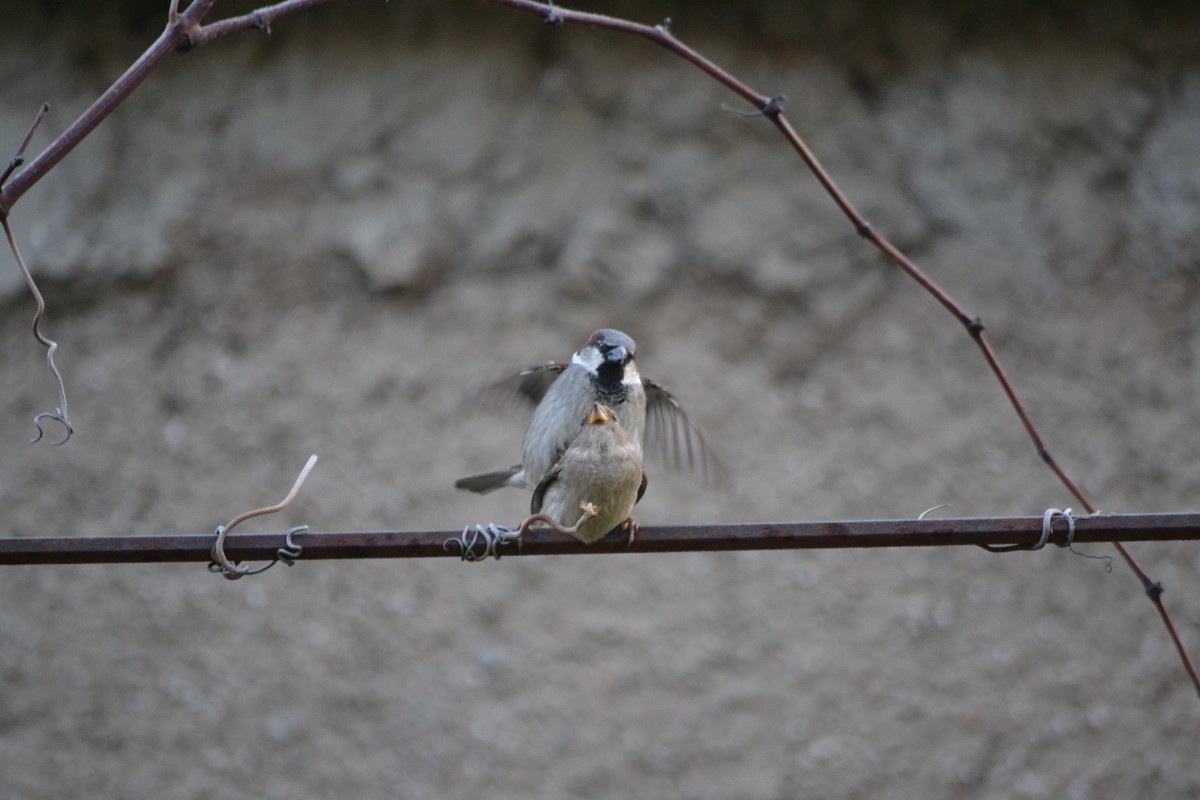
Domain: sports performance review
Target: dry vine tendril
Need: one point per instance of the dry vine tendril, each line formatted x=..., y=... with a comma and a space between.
x=220, y=563
x=59, y=414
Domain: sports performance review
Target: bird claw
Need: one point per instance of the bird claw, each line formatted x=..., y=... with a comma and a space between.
x=631, y=526
x=491, y=538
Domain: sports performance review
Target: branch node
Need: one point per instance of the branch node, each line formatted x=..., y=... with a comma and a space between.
x=553, y=16
x=19, y=158
x=261, y=22
x=1155, y=590
x=179, y=30
x=664, y=27
x=187, y=42
x=976, y=327
x=770, y=108
x=11, y=168
x=864, y=229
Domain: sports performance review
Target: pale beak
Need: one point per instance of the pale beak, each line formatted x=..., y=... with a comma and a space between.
x=598, y=415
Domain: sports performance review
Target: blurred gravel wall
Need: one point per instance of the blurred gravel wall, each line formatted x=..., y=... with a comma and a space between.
x=325, y=240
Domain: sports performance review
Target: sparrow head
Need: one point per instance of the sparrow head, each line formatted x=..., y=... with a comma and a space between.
x=609, y=350
x=599, y=415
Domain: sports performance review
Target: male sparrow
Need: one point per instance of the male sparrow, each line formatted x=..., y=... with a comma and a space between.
x=603, y=371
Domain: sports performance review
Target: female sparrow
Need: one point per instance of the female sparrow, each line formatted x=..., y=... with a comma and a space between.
x=594, y=485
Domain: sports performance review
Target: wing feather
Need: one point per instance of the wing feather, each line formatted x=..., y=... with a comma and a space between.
x=671, y=436
x=528, y=385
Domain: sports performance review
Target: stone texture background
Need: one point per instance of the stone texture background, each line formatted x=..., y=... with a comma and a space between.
x=325, y=240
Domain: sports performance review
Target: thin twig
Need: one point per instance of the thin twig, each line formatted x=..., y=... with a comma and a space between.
x=772, y=109
x=19, y=158
x=652, y=539
x=256, y=20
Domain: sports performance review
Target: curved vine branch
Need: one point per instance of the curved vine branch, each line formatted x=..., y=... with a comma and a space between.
x=183, y=32
x=772, y=109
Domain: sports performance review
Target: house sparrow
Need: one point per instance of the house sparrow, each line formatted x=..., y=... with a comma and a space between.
x=600, y=474
x=589, y=492
x=602, y=371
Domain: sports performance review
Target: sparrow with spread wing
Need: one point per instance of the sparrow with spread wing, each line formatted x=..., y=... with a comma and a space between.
x=603, y=371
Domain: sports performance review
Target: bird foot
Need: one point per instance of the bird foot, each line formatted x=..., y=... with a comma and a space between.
x=630, y=525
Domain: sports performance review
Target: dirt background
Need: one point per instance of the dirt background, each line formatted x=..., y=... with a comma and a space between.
x=325, y=240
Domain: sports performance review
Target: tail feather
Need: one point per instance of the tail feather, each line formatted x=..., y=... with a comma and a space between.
x=491, y=481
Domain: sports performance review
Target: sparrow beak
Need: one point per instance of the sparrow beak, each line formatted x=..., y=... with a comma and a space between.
x=598, y=415
x=617, y=355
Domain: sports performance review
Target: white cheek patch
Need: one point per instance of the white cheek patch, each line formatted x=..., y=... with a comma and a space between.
x=632, y=378
x=589, y=358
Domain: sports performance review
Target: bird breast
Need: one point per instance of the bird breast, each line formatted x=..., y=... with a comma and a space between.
x=556, y=420
x=603, y=467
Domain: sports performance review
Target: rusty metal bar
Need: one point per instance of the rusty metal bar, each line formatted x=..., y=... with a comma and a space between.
x=673, y=539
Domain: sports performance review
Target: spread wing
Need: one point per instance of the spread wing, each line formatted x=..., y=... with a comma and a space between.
x=530, y=384
x=671, y=437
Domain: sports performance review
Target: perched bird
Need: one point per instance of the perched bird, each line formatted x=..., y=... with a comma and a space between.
x=592, y=488
x=603, y=371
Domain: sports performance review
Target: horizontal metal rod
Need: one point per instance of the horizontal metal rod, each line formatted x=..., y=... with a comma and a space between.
x=671, y=539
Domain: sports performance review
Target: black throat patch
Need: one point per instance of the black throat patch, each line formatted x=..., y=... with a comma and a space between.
x=609, y=388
